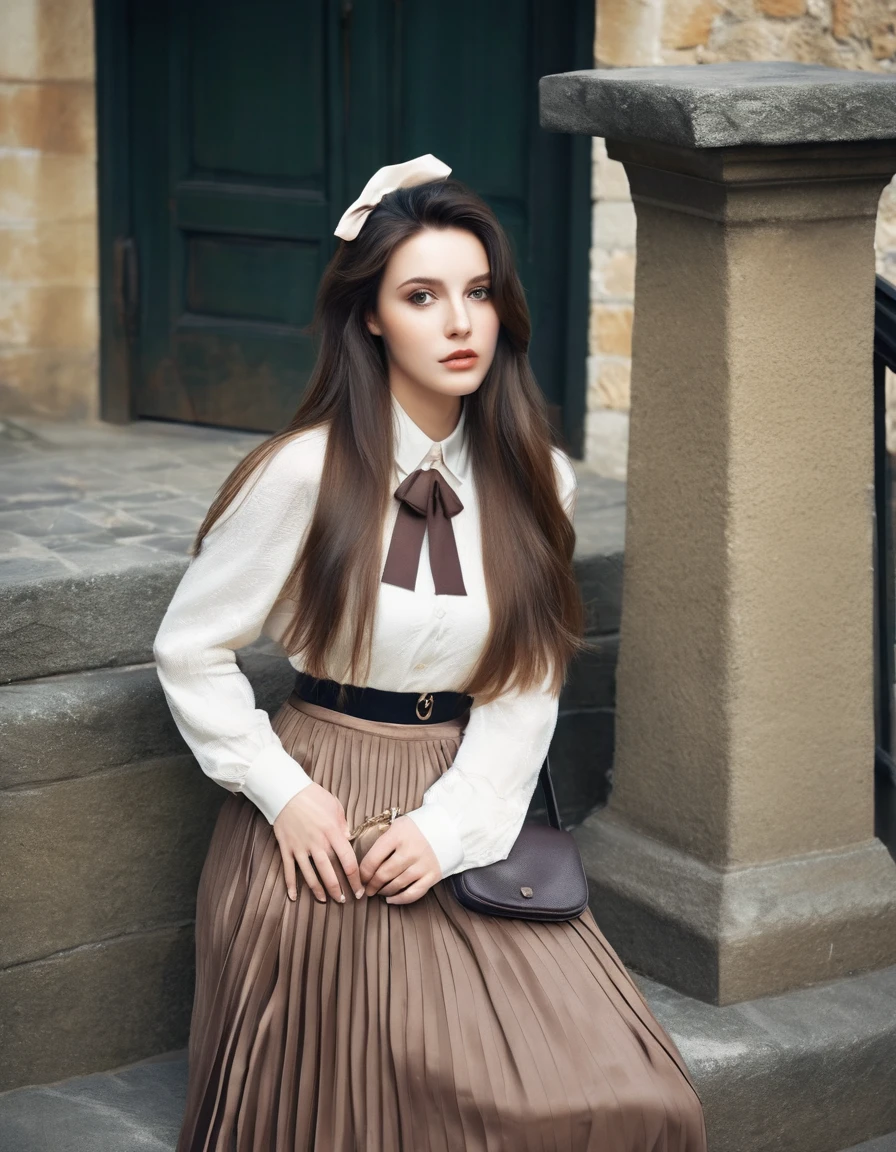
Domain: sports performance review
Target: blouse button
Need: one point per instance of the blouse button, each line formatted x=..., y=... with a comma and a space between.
x=419, y=667
x=440, y=612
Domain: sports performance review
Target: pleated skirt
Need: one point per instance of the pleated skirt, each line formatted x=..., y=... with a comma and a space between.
x=422, y=1027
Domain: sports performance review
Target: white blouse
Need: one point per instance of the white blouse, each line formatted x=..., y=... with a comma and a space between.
x=423, y=642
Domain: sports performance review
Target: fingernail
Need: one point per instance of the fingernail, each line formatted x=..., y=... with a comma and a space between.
x=359, y=893
x=341, y=896
x=292, y=894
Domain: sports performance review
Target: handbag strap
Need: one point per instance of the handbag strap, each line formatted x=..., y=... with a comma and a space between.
x=550, y=797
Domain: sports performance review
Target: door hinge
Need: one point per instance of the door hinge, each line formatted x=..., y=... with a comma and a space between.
x=124, y=258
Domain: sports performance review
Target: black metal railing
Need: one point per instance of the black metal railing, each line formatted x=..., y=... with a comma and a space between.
x=884, y=579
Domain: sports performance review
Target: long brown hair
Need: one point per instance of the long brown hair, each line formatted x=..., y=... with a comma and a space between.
x=537, y=615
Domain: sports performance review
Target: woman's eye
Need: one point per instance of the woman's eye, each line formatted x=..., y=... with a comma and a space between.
x=413, y=298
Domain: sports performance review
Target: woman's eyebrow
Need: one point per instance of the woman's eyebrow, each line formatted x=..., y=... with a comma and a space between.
x=438, y=283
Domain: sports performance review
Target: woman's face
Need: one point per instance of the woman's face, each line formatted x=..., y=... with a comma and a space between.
x=434, y=300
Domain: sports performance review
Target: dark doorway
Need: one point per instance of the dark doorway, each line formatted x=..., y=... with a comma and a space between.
x=232, y=137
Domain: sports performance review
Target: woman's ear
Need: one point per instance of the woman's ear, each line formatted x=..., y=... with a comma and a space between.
x=372, y=326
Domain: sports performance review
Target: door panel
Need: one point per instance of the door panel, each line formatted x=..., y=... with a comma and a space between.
x=233, y=220
x=255, y=125
x=251, y=67
x=482, y=115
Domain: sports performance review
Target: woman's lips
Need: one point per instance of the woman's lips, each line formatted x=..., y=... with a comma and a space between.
x=459, y=363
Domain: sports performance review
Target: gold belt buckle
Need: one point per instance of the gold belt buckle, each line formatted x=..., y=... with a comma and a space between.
x=427, y=700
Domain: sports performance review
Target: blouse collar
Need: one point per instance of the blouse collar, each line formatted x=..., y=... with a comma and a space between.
x=413, y=446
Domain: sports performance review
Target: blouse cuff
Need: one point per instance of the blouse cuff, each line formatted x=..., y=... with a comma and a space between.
x=274, y=777
x=439, y=828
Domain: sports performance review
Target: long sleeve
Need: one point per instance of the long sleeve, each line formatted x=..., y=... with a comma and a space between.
x=473, y=813
x=220, y=605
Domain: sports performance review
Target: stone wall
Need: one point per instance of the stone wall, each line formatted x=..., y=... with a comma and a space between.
x=49, y=327
x=48, y=210
x=838, y=33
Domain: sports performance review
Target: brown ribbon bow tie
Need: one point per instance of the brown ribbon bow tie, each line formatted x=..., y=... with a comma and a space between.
x=427, y=503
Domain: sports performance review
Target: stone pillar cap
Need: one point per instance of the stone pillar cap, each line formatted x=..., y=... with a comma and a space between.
x=722, y=105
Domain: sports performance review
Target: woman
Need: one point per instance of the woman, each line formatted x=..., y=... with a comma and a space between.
x=408, y=541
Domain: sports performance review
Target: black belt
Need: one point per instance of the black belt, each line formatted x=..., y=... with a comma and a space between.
x=378, y=704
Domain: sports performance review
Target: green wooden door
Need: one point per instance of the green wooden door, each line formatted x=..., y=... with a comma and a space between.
x=254, y=125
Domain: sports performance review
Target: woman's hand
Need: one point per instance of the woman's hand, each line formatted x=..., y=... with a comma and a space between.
x=400, y=864
x=312, y=824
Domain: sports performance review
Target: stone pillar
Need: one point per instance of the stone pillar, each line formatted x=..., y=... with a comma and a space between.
x=736, y=856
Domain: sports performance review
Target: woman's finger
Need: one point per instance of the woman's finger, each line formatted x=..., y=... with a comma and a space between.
x=328, y=874
x=400, y=882
x=345, y=854
x=289, y=871
x=375, y=855
x=391, y=867
x=311, y=877
x=409, y=895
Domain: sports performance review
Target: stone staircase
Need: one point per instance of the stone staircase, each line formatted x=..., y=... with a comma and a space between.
x=111, y=819
x=140, y=1108
x=789, y=1072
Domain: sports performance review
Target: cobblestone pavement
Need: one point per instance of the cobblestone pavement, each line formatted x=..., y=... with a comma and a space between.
x=83, y=498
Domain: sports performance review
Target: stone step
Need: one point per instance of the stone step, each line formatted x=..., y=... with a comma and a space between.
x=108, y=718
x=94, y=533
x=96, y=522
x=92, y=763
x=108, y=617
x=805, y=1071
x=809, y=1071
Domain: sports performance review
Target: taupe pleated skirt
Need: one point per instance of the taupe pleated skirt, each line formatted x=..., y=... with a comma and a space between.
x=370, y=1027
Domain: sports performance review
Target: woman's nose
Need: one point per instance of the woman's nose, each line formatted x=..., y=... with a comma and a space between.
x=460, y=320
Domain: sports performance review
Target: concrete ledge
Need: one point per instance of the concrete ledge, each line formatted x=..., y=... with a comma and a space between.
x=97, y=1006
x=109, y=619
x=95, y=525
x=94, y=772
x=804, y=1071
x=722, y=105
x=101, y=856
x=727, y=935
x=73, y=622
x=113, y=717
x=113, y=818
x=138, y=1107
x=809, y=1071
x=79, y=723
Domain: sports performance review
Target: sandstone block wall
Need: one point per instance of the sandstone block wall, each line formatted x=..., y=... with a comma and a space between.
x=49, y=328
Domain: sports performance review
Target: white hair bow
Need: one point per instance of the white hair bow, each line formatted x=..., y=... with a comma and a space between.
x=417, y=171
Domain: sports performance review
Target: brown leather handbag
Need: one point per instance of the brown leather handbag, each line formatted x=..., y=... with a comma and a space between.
x=543, y=877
